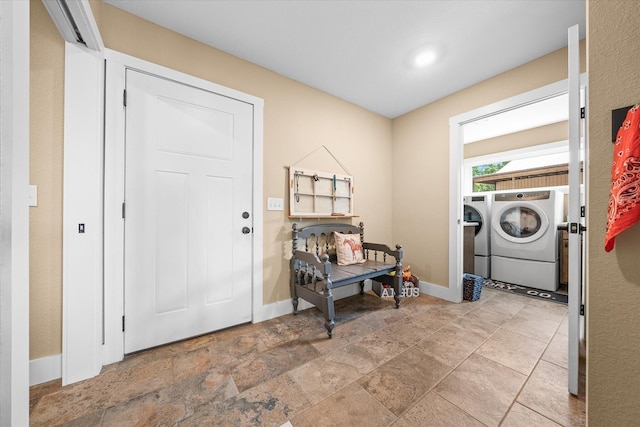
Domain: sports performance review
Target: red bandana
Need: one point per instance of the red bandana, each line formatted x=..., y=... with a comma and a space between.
x=624, y=197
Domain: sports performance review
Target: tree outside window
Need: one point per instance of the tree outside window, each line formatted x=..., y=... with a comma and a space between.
x=488, y=169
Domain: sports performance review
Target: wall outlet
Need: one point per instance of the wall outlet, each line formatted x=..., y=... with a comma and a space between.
x=275, y=204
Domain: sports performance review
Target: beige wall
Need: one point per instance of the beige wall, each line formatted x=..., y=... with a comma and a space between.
x=613, y=287
x=46, y=109
x=421, y=162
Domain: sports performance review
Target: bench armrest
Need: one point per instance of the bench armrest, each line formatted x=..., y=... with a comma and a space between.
x=379, y=247
x=311, y=260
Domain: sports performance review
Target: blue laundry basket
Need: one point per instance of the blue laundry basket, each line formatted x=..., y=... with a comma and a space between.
x=472, y=286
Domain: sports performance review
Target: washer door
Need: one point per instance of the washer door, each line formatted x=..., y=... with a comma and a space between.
x=471, y=214
x=520, y=222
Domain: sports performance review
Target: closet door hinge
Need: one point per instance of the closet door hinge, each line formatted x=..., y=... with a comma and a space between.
x=583, y=112
x=124, y=97
x=122, y=323
x=581, y=309
x=123, y=210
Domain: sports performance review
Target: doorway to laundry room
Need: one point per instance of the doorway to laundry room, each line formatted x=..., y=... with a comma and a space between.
x=524, y=221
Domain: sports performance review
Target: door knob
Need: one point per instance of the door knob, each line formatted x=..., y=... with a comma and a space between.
x=245, y=215
x=246, y=230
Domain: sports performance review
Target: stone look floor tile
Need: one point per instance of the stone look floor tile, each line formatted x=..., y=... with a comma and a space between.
x=349, y=332
x=484, y=388
x=270, y=404
x=360, y=358
x=352, y=406
x=36, y=392
x=192, y=363
x=452, y=344
x=94, y=419
x=148, y=410
x=170, y=405
x=403, y=380
x=507, y=307
x=435, y=411
x=513, y=350
x=530, y=324
x=436, y=318
x=546, y=393
x=487, y=314
x=476, y=323
x=410, y=331
x=110, y=388
x=384, y=343
x=557, y=351
x=541, y=309
x=279, y=331
x=418, y=360
x=211, y=386
x=322, y=377
x=262, y=366
x=564, y=326
x=521, y=416
x=457, y=309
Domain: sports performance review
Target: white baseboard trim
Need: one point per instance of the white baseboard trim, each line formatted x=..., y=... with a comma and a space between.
x=45, y=369
x=277, y=309
x=436, y=291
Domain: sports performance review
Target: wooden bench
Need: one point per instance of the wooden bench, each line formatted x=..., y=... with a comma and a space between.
x=315, y=271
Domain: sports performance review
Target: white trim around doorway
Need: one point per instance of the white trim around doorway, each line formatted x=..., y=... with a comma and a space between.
x=14, y=217
x=456, y=123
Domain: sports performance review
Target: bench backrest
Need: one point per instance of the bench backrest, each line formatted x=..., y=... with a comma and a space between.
x=318, y=239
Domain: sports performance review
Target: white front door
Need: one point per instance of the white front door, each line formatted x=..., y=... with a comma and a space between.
x=188, y=211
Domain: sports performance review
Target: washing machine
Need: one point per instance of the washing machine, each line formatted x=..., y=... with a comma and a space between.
x=477, y=209
x=524, y=238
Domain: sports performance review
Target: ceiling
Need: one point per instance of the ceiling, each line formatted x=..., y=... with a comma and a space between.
x=364, y=51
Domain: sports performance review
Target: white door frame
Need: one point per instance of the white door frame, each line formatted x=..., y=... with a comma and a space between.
x=14, y=220
x=114, y=190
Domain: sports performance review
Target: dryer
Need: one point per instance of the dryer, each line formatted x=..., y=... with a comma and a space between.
x=477, y=209
x=524, y=238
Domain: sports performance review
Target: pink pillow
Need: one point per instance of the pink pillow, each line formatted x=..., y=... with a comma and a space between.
x=348, y=248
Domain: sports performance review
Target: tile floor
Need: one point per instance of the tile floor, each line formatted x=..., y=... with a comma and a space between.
x=500, y=360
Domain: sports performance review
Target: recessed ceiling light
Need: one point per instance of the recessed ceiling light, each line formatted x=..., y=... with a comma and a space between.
x=424, y=56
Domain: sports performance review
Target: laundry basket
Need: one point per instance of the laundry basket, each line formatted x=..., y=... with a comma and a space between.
x=472, y=286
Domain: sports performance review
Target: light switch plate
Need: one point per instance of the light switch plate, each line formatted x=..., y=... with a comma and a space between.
x=274, y=204
x=33, y=195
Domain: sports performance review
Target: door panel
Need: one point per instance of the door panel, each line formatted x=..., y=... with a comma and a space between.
x=170, y=238
x=188, y=181
x=574, y=213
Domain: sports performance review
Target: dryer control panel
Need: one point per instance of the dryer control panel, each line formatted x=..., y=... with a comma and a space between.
x=531, y=195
